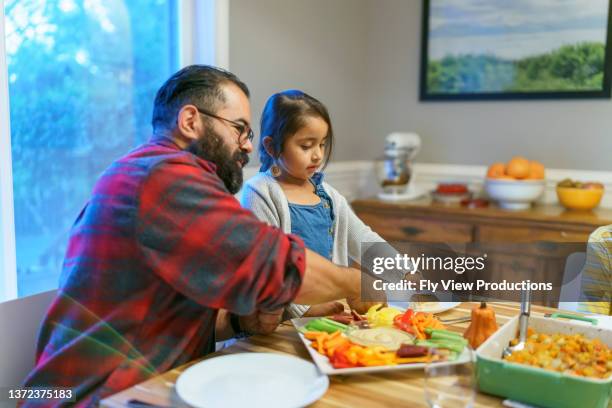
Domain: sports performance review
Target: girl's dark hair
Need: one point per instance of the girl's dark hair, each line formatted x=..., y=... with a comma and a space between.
x=284, y=114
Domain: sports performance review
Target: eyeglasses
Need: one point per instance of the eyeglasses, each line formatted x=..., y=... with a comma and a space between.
x=244, y=131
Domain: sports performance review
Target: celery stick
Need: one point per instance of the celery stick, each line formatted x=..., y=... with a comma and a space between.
x=335, y=323
x=322, y=325
x=426, y=343
x=442, y=331
x=317, y=325
x=454, y=346
x=447, y=337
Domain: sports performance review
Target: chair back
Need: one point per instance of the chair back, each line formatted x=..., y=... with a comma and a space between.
x=572, y=281
x=20, y=321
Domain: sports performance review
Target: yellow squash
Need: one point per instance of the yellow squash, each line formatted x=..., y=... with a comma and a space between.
x=482, y=326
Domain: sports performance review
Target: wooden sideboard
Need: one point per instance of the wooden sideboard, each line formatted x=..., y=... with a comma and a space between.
x=544, y=234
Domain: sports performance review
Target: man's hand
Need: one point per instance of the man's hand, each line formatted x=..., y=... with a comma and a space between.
x=324, y=309
x=367, y=297
x=261, y=322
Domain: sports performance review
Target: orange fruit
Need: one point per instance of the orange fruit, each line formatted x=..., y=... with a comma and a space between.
x=593, y=186
x=518, y=167
x=536, y=170
x=496, y=170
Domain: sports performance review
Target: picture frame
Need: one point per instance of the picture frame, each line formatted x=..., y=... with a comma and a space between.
x=499, y=50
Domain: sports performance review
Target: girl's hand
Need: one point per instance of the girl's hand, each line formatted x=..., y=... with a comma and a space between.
x=368, y=296
x=324, y=309
x=362, y=307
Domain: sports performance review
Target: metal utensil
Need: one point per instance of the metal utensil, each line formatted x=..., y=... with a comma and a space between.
x=136, y=403
x=572, y=316
x=457, y=319
x=523, y=323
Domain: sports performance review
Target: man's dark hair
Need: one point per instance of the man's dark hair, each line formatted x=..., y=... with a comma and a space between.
x=200, y=85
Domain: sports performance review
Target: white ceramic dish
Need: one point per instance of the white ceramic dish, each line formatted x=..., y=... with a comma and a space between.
x=514, y=194
x=450, y=198
x=325, y=366
x=412, y=193
x=428, y=307
x=494, y=345
x=252, y=380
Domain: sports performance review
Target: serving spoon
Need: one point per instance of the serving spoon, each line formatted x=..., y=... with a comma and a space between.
x=523, y=323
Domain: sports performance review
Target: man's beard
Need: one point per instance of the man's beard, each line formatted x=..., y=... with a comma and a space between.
x=210, y=146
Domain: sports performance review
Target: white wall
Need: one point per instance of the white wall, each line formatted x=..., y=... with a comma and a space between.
x=362, y=58
x=575, y=134
x=313, y=45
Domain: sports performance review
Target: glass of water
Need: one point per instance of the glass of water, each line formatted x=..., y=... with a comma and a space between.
x=452, y=385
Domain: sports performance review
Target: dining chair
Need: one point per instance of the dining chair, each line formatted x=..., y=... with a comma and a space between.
x=20, y=321
x=572, y=281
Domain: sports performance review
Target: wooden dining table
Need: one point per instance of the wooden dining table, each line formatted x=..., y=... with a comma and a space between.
x=401, y=388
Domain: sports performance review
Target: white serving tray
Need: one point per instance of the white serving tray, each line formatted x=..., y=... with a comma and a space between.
x=323, y=364
x=425, y=307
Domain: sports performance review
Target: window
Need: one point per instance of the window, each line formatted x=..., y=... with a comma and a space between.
x=82, y=76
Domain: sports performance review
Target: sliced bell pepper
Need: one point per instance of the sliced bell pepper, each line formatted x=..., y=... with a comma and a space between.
x=407, y=316
x=400, y=322
x=340, y=360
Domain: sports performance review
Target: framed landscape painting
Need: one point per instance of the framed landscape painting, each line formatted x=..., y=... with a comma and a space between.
x=518, y=49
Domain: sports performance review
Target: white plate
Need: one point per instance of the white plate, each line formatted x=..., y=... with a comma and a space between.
x=411, y=193
x=428, y=307
x=252, y=379
x=325, y=366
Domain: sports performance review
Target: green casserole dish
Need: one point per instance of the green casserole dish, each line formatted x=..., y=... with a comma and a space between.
x=534, y=385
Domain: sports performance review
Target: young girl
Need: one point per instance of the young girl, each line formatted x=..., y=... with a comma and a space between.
x=289, y=192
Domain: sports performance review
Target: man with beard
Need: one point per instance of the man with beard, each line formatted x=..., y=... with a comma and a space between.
x=162, y=261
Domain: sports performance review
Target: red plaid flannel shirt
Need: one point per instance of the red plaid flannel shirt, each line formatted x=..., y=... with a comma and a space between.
x=158, y=249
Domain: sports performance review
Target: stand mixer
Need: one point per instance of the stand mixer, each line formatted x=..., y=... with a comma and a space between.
x=395, y=169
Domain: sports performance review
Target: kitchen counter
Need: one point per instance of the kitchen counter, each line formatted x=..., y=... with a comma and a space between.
x=547, y=216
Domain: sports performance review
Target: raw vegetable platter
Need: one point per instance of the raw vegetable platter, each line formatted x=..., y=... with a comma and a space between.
x=309, y=328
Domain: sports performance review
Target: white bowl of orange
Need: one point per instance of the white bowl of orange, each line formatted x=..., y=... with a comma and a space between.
x=516, y=184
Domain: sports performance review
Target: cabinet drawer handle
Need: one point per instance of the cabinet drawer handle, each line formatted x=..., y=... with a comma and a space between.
x=410, y=231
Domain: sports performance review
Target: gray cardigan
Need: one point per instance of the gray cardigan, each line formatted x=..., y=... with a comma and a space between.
x=266, y=199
